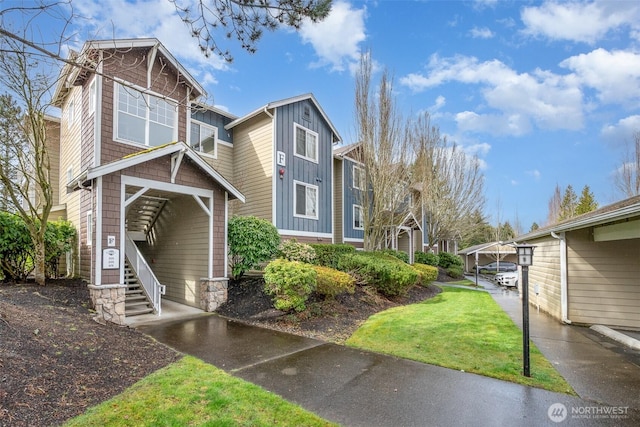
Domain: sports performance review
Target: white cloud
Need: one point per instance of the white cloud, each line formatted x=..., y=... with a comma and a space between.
x=481, y=33
x=614, y=75
x=336, y=40
x=585, y=22
x=518, y=101
x=619, y=133
x=535, y=173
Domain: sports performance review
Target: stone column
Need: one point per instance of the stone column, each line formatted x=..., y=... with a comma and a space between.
x=213, y=293
x=108, y=302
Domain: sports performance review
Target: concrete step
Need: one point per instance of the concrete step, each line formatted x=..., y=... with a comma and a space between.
x=137, y=311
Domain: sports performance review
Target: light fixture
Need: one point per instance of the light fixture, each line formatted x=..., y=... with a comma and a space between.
x=525, y=254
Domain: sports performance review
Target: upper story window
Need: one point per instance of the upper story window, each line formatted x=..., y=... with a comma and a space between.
x=144, y=118
x=305, y=200
x=358, y=178
x=358, y=217
x=203, y=138
x=306, y=143
x=71, y=113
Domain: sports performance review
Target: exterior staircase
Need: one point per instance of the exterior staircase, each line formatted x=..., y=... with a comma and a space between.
x=136, y=301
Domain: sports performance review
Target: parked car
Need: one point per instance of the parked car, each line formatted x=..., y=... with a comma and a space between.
x=508, y=279
x=492, y=267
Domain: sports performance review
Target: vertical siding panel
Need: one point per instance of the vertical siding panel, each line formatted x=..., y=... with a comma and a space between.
x=603, y=280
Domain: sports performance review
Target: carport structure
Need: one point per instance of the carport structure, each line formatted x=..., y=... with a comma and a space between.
x=485, y=253
x=587, y=268
x=163, y=213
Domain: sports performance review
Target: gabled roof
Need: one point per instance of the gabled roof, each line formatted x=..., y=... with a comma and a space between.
x=87, y=62
x=342, y=151
x=273, y=105
x=154, y=153
x=620, y=210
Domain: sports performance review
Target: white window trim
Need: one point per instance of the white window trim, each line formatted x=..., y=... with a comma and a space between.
x=146, y=93
x=213, y=155
x=295, y=197
x=354, y=217
x=93, y=96
x=295, y=142
x=89, y=228
x=353, y=176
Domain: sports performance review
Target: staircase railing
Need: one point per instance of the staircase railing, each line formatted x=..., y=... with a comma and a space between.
x=149, y=281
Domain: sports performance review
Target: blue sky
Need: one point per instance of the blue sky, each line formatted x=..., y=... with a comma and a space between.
x=544, y=93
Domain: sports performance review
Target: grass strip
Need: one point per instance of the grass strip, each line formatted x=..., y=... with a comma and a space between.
x=193, y=393
x=458, y=329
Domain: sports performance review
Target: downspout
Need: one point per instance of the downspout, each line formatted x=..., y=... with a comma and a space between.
x=564, y=301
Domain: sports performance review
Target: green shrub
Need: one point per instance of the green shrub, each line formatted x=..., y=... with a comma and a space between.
x=427, y=258
x=16, y=248
x=455, y=272
x=402, y=256
x=428, y=273
x=448, y=260
x=328, y=254
x=251, y=241
x=387, y=274
x=292, y=250
x=59, y=239
x=290, y=282
x=331, y=282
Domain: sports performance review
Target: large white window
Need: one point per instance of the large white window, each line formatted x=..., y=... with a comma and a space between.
x=305, y=200
x=358, y=178
x=203, y=138
x=306, y=143
x=143, y=118
x=358, y=217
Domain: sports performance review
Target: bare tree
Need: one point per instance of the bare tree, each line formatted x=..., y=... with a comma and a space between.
x=24, y=78
x=451, y=183
x=245, y=20
x=627, y=176
x=383, y=153
x=554, y=206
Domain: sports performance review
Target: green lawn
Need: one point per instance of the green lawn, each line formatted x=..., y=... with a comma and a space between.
x=193, y=393
x=459, y=329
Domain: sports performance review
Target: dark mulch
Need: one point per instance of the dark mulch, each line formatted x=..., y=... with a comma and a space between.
x=330, y=320
x=56, y=361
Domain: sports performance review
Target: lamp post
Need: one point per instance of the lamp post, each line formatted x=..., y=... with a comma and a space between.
x=525, y=259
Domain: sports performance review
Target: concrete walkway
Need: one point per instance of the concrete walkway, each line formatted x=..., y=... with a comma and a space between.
x=598, y=368
x=358, y=388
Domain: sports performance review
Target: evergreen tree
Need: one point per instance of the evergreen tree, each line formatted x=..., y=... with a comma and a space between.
x=587, y=202
x=534, y=227
x=568, y=204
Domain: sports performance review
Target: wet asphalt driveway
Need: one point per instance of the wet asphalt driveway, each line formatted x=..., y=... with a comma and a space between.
x=358, y=388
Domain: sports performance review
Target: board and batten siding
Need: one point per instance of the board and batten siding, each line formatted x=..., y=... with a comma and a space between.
x=253, y=167
x=338, y=226
x=604, y=280
x=178, y=254
x=302, y=170
x=545, y=272
x=352, y=197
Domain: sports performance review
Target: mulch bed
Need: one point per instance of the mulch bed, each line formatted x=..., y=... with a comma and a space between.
x=56, y=361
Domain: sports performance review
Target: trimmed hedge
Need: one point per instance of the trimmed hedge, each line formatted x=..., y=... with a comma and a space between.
x=402, y=256
x=428, y=273
x=327, y=254
x=389, y=275
x=290, y=282
x=428, y=258
x=455, y=272
x=449, y=260
x=292, y=250
x=331, y=282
